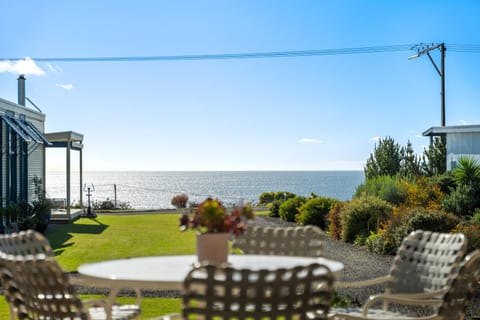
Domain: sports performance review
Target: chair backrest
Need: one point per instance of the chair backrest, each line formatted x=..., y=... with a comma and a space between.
x=25, y=243
x=44, y=289
x=19, y=244
x=461, y=288
x=426, y=261
x=292, y=241
x=227, y=293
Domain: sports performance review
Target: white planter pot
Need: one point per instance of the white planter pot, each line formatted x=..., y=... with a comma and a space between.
x=212, y=247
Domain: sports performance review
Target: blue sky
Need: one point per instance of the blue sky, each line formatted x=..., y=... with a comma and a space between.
x=298, y=113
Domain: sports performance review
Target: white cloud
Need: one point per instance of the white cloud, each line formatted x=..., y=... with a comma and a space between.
x=26, y=66
x=66, y=86
x=376, y=139
x=310, y=140
x=53, y=68
x=463, y=122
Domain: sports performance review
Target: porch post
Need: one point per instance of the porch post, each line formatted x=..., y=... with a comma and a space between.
x=68, y=180
x=81, y=177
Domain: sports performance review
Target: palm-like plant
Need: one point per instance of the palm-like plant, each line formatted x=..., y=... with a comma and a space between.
x=467, y=172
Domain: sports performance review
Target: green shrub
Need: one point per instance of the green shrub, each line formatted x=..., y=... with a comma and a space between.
x=284, y=195
x=362, y=215
x=334, y=220
x=266, y=197
x=423, y=219
x=289, y=208
x=315, y=211
x=375, y=242
x=476, y=217
x=359, y=240
x=341, y=300
x=274, y=208
x=390, y=189
x=445, y=182
x=462, y=201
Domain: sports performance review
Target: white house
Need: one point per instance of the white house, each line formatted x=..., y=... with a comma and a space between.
x=460, y=141
x=22, y=144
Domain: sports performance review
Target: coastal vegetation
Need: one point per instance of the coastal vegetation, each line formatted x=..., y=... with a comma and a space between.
x=402, y=192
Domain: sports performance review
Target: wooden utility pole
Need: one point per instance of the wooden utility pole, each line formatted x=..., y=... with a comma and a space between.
x=425, y=49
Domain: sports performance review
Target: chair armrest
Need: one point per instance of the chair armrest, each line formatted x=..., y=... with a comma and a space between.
x=415, y=299
x=362, y=283
x=437, y=294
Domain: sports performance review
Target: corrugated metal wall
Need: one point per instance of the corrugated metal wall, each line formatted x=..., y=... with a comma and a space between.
x=36, y=151
x=3, y=173
x=36, y=160
x=463, y=143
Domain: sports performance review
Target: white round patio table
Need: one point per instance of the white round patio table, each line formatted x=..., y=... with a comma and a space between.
x=168, y=272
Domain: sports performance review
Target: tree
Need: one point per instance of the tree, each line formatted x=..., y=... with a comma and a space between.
x=434, y=161
x=411, y=166
x=385, y=160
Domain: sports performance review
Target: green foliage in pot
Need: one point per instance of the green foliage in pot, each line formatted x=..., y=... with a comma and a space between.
x=36, y=214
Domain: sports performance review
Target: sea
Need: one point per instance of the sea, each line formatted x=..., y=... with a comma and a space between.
x=155, y=189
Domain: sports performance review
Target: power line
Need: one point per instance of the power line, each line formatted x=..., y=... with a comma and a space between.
x=465, y=48
x=226, y=56
x=468, y=48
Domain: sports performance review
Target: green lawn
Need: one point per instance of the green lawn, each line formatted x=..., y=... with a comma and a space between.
x=112, y=237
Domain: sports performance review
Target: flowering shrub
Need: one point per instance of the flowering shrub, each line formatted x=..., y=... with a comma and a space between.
x=211, y=216
x=472, y=232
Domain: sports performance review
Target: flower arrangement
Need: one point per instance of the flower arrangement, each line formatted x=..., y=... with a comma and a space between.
x=212, y=217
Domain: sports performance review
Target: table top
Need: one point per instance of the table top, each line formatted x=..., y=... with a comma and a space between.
x=168, y=272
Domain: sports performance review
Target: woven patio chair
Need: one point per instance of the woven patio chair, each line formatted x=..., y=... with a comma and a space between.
x=25, y=243
x=453, y=303
x=303, y=241
x=22, y=243
x=38, y=288
x=223, y=292
x=423, y=265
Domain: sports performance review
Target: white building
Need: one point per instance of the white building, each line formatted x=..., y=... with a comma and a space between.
x=460, y=141
x=22, y=144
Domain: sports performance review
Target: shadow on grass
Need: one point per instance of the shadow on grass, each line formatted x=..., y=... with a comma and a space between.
x=59, y=235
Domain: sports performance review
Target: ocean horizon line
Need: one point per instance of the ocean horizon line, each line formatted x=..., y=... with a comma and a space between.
x=292, y=170
x=155, y=189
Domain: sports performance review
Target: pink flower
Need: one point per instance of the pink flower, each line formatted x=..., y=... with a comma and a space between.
x=211, y=216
